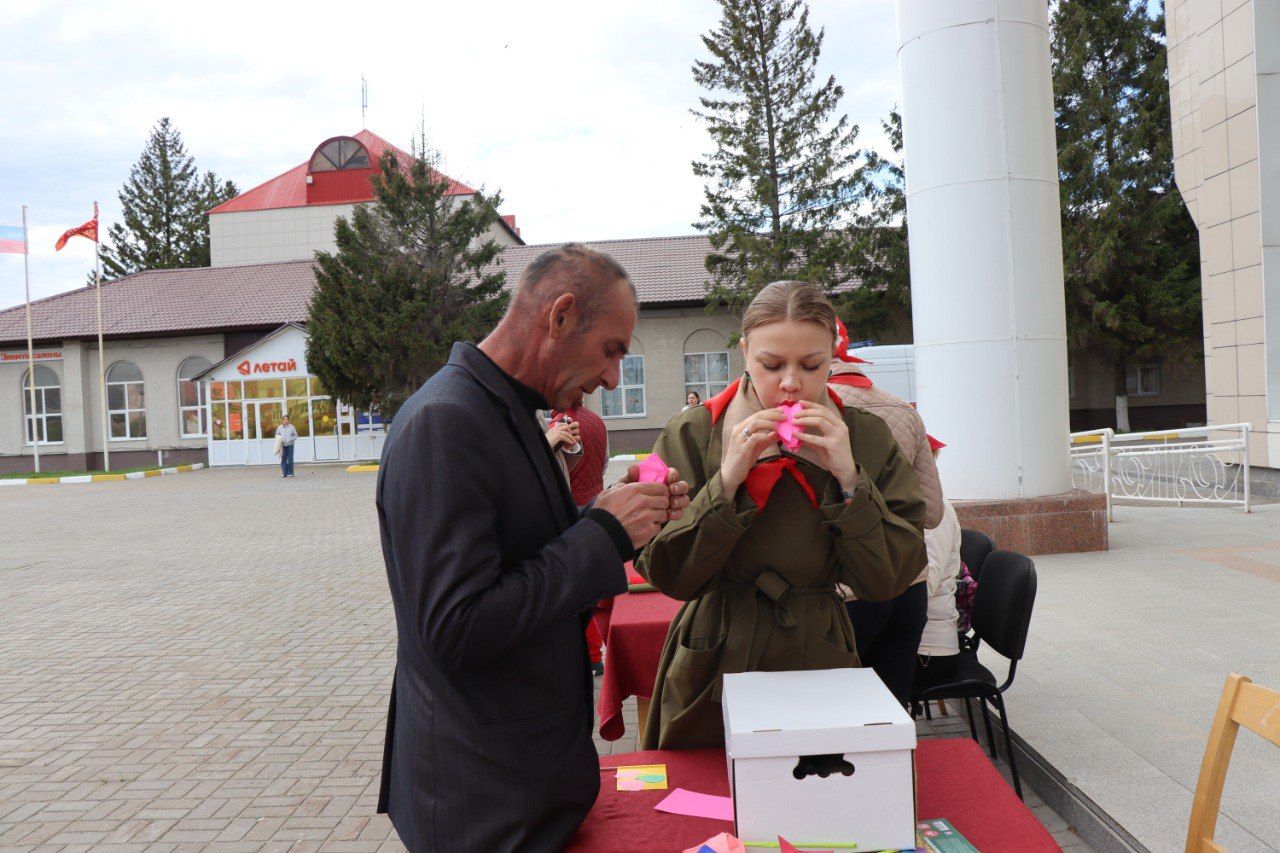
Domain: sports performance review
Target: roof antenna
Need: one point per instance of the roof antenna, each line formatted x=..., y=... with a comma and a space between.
x=364, y=103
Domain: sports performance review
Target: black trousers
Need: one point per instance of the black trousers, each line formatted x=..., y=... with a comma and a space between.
x=888, y=636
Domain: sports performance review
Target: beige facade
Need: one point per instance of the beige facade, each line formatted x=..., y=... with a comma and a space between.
x=1170, y=394
x=287, y=234
x=158, y=360
x=282, y=234
x=1224, y=78
x=663, y=337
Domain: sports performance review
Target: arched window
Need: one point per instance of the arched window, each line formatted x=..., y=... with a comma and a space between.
x=126, y=401
x=44, y=424
x=192, y=397
x=627, y=400
x=338, y=154
x=706, y=364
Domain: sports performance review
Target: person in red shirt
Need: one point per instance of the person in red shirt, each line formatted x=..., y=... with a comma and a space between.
x=586, y=480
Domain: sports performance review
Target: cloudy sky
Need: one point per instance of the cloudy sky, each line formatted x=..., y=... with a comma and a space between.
x=577, y=111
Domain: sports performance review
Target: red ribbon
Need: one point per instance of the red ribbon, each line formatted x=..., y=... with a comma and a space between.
x=853, y=380
x=764, y=476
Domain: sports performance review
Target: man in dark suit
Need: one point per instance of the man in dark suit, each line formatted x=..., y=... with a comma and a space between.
x=494, y=571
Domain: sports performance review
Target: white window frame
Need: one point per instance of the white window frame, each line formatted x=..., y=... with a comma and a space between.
x=41, y=413
x=622, y=389
x=202, y=400
x=1133, y=379
x=705, y=391
x=126, y=411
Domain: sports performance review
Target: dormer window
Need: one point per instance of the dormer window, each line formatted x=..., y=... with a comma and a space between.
x=339, y=154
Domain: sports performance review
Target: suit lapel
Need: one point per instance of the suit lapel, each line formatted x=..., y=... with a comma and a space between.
x=523, y=426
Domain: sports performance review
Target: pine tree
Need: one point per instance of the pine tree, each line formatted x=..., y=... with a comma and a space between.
x=164, y=205
x=780, y=184
x=1130, y=251
x=413, y=272
x=879, y=241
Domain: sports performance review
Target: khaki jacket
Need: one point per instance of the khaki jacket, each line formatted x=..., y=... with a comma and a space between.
x=759, y=586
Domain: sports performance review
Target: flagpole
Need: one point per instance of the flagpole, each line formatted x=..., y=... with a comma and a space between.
x=31, y=351
x=102, y=357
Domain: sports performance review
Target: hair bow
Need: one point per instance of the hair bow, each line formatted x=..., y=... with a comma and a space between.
x=842, y=345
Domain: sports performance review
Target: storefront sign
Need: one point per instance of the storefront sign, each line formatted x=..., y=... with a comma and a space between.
x=248, y=368
x=42, y=354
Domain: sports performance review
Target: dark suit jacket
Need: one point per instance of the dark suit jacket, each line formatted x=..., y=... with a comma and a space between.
x=491, y=569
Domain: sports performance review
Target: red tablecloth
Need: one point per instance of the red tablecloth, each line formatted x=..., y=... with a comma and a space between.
x=635, y=631
x=954, y=781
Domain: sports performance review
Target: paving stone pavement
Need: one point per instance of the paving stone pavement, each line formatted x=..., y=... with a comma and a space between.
x=202, y=661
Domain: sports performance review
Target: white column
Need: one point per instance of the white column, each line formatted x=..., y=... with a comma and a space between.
x=986, y=244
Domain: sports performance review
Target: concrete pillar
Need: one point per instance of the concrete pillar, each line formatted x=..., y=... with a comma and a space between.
x=986, y=244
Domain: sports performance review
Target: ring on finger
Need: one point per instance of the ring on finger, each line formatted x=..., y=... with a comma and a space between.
x=746, y=433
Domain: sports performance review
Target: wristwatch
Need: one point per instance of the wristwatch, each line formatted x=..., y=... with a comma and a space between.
x=848, y=494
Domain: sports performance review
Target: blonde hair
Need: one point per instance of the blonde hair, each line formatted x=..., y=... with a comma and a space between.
x=790, y=300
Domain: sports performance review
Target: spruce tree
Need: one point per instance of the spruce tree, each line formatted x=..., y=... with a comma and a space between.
x=413, y=273
x=780, y=184
x=1130, y=250
x=879, y=241
x=163, y=207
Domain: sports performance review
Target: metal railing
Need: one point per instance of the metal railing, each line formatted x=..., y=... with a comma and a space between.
x=1196, y=465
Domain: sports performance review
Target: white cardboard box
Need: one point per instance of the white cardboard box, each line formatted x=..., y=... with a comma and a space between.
x=777, y=723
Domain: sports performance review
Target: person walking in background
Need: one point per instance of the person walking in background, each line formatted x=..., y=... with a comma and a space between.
x=286, y=435
x=888, y=632
x=690, y=400
x=586, y=480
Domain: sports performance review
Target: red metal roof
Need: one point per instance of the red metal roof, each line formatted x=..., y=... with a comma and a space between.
x=290, y=189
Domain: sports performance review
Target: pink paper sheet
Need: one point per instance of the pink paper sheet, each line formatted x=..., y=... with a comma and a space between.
x=787, y=430
x=694, y=804
x=653, y=469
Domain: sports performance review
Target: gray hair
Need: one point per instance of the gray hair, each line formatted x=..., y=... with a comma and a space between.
x=572, y=268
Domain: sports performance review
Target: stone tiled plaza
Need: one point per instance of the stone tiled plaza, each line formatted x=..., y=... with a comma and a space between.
x=202, y=661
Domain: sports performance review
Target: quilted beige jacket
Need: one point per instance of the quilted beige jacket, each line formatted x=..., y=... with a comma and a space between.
x=908, y=430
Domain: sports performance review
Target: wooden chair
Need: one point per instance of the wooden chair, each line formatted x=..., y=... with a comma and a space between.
x=1245, y=704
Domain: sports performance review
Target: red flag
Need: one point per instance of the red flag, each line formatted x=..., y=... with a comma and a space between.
x=89, y=231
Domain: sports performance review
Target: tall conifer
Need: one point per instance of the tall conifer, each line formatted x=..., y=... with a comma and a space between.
x=780, y=184
x=414, y=271
x=164, y=207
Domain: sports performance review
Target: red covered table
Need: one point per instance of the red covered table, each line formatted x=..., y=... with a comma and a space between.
x=634, y=632
x=955, y=781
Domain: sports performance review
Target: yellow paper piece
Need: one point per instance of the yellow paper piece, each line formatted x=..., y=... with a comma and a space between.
x=642, y=777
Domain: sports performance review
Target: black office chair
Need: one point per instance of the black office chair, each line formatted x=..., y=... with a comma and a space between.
x=1001, y=619
x=974, y=548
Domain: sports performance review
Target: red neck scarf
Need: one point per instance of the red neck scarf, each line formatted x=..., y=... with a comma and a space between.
x=764, y=476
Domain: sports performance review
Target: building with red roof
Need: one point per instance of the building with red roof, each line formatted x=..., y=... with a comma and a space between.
x=291, y=216
x=201, y=364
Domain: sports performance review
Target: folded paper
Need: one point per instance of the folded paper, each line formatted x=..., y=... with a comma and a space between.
x=722, y=843
x=788, y=430
x=653, y=469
